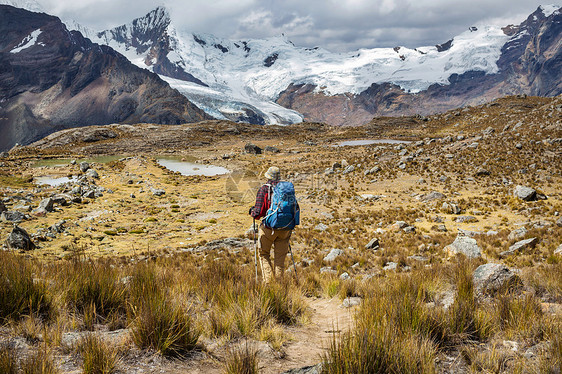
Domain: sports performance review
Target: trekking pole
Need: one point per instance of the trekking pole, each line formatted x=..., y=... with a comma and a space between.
x=255, y=251
x=294, y=266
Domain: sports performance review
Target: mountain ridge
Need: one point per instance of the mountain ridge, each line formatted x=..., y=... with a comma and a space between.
x=51, y=79
x=253, y=76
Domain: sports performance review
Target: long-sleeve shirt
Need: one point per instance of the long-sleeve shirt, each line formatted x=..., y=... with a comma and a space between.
x=263, y=200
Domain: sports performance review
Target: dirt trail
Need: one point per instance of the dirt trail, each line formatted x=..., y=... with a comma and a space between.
x=310, y=342
x=306, y=347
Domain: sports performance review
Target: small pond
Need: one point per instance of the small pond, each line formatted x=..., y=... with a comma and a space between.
x=53, y=181
x=191, y=168
x=369, y=141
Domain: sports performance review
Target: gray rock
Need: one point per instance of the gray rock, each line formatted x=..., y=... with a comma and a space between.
x=517, y=233
x=334, y=253
x=373, y=170
x=348, y=169
x=451, y=208
x=373, y=244
x=157, y=191
x=418, y=258
x=390, y=266
x=336, y=165
x=349, y=302
x=92, y=174
x=344, y=276
x=519, y=246
x=465, y=245
x=559, y=222
x=400, y=224
x=62, y=199
x=321, y=227
x=271, y=149
x=327, y=269
x=525, y=193
x=409, y=229
x=46, y=204
x=19, y=239
x=84, y=166
x=316, y=369
x=252, y=149
x=433, y=195
x=441, y=228
x=9, y=216
x=481, y=172
x=558, y=251
x=463, y=219
x=491, y=278
x=89, y=194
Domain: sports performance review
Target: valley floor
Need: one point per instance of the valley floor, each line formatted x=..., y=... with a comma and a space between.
x=455, y=180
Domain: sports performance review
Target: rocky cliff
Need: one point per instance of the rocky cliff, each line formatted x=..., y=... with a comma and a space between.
x=52, y=78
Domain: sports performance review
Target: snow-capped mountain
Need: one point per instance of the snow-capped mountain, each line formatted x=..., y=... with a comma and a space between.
x=247, y=79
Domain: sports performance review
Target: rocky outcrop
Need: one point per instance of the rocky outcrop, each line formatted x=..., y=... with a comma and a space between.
x=51, y=79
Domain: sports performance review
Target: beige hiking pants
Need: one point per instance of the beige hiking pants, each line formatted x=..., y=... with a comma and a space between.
x=280, y=241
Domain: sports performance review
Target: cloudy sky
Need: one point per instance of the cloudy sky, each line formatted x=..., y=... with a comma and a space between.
x=339, y=26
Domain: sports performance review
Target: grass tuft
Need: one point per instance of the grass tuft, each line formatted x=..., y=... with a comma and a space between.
x=243, y=360
x=97, y=356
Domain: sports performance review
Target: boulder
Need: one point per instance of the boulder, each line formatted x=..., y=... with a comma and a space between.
x=433, y=195
x=349, y=302
x=19, y=239
x=464, y=219
x=525, y=193
x=157, y=191
x=465, y=245
x=519, y=246
x=92, y=174
x=252, y=149
x=271, y=149
x=490, y=279
x=8, y=216
x=327, y=269
x=47, y=204
x=62, y=199
x=373, y=244
x=481, y=172
x=334, y=253
x=321, y=227
x=390, y=266
x=84, y=166
x=348, y=169
x=517, y=233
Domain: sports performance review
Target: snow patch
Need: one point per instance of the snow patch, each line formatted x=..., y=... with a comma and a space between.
x=549, y=10
x=30, y=5
x=28, y=41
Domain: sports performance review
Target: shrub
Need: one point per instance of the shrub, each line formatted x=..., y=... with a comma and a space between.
x=242, y=361
x=8, y=360
x=97, y=356
x=39, y=362
x=163, y=326
x=20, y=294
x=94, y=290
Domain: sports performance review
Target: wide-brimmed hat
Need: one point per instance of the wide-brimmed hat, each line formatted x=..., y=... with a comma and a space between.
x=273, y=173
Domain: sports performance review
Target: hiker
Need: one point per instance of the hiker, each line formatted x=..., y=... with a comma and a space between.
x=278, y=221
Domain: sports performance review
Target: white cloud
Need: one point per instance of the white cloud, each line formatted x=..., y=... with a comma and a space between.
x=339, y=25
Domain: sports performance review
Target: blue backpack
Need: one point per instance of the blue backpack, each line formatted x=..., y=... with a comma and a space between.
x=283, y=212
